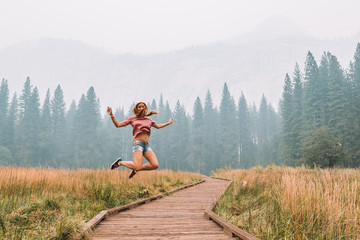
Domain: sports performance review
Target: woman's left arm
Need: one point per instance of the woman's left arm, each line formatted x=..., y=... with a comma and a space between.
x=155, y=125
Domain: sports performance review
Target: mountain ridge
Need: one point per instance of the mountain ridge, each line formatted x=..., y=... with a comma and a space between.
x=252, y=67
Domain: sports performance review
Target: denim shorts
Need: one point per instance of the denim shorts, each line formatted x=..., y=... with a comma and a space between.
x=141, y=146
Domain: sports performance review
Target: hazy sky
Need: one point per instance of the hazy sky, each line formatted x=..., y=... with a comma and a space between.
x=147, y=26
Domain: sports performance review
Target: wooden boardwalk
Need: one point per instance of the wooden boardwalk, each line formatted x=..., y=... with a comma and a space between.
x=178, y=216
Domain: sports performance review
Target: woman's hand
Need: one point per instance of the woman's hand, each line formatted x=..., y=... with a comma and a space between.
x=109, y=111
x=163, y=124
x=116, y=123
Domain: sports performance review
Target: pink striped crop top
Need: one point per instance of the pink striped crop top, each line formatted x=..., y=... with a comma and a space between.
x=140, y=125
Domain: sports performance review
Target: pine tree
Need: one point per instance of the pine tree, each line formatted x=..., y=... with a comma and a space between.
x=4, y=105
x=162, y=137
x=197, y=114
x=58, y=110
x=228, y=123
x=274, y=126
x=245, y=157
x=46, y=138
x=86, y=149
x=336, y=99
x=197, y=138
x=263, y=120
x=93, y=106
x=23, y=130
x=71, y=135
x=166, y=133
x=312, y=102
x=79, y=146
x=287, y=108
x=353, y=121
x=179, y=140
x=297, y=114
x=268, y=133
x=30, y=130
x=46, y=113
x=9, y=131
x=263, y=132
x=6, y=138
x=254, y=116
x=356, y=72
x=94, y=117
x=70, y=116
x=209, y=118
x=323, y=88
x=291, y=112
x=350, y=116
x=25, y=96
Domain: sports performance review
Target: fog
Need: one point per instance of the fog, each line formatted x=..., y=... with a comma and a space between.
x=143, y=26
x=138, y=50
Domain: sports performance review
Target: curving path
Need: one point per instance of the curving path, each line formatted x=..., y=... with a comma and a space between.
x=178, y=216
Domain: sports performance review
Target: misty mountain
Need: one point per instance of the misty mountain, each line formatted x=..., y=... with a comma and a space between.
x=255, y=63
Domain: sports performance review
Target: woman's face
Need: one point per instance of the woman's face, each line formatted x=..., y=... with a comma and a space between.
x=140, y=107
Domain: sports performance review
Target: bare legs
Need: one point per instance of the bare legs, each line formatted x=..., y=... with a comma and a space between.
x=153, y=162
x=137, y=164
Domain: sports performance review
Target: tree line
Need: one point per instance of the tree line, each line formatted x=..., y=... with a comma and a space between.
x=320, y=110
x=50, y=135
x=317, y=125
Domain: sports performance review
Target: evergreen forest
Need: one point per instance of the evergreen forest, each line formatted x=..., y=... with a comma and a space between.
x=317, y=125
x=320, y=111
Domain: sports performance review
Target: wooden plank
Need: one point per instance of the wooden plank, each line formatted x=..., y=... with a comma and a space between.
x=174, y=237
x=166, y=221
x=177, y=216
x=174, y=228
x=158, y=219
x=138, y=235
x=229, y=228
x=139, y=230
x=94, y=221
x=101, y=216
x=149, y=199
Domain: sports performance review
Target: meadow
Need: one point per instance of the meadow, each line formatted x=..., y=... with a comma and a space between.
x=40, y=203
x=293, y=203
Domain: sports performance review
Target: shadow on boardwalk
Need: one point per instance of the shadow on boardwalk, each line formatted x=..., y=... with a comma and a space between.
x=178, y=216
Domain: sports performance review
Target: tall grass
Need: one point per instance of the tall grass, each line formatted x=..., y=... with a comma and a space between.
x=293, y=203
x=54, y=204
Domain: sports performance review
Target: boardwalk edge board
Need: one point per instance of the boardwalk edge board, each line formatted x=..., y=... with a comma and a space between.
x=229, y=228
x=87, y=228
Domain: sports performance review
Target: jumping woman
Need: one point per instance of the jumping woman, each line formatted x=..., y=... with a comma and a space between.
x=141, y=124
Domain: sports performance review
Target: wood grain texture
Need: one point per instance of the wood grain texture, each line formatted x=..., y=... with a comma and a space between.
x=178, y=216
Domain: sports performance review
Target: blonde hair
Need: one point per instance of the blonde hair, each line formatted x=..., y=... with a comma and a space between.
x=143, y=113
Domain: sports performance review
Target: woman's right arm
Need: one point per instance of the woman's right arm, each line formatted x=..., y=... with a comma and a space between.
x=116, y=123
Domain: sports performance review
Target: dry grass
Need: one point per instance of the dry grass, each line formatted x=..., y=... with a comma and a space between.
x=294, y=203
x=53, y=204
